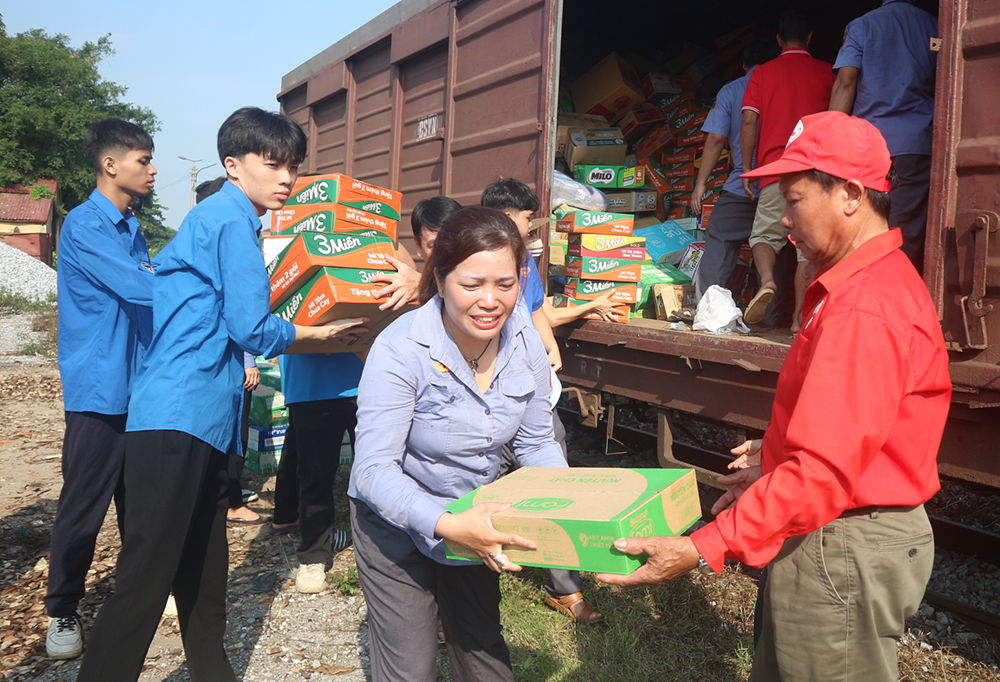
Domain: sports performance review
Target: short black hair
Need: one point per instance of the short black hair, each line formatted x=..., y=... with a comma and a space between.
x=114, y=135
x=254, y=131
x=795, y=25
x=208, y=188
x=759, y=50
x=879, y=200
x=430, y=214
x=510, y=195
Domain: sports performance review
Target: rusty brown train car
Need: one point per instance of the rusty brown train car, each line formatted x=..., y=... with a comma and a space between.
x=442, y=96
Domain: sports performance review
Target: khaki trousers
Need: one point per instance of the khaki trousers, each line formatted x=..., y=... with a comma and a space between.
x=837, y=599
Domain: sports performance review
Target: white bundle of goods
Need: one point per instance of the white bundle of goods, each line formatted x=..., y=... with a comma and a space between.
x=20, y=274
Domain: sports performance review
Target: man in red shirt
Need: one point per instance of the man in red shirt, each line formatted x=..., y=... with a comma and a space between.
x=778, y=94
x=835, y=505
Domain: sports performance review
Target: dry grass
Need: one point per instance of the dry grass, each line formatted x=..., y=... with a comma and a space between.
x=46, y=324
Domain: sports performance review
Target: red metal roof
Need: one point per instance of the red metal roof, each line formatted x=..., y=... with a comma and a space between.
x=17, y=206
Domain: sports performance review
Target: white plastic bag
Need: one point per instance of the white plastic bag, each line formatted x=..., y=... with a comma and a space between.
x=566, y=190
x=717, y=313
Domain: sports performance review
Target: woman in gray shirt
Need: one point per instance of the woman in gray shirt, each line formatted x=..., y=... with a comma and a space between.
x=444, y=387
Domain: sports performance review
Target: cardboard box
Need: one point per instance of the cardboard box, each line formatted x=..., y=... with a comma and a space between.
x=270, y=375
x=340, y=189
x=574, y=515
x=682, y=211
x=611, y=89
x=265, y=440
x=589, y=289
x=656, y=139
x=273, y=246
x=267, y=408
x=617, y=177
x=689, y=121
x=620, y=313
x=670, y=298
x=669, y=102
x=325, y=298
x=637, y=122
x=672, y=171
x=595, y=222
x=607, y=246
x=595, y=146
x=262, y=462
x=654, y=175
x=329, y=218
x=557, y=253
x=567, y=121
x=690, y=138
x=631, y=201
x=658, y=274
x=657, y=84
x=310, y=251
x=606, y=269
x=666, y=242
x=681, y=185
x=691, y=259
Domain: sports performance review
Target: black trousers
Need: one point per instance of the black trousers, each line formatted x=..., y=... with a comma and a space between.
x=729, y=228
x=406, y=591
x=175, y=530
x=315, y=433
x=237, y=462
x=908, y=199
x=92, y=457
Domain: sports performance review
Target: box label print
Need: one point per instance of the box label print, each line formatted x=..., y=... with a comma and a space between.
x=608, y=269
x=589, y=289
x=329, y=218
x=596, y=222
x=607, y=246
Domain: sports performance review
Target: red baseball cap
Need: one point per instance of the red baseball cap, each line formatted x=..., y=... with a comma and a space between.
x=843, y=146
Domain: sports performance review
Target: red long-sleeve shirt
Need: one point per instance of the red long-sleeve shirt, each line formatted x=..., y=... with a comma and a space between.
x=859, y=411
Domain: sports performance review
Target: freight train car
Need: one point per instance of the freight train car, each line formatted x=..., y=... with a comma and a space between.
x=442, y=96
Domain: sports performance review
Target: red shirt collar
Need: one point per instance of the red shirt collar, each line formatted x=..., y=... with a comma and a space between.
x=794, y=50
x=875, y=248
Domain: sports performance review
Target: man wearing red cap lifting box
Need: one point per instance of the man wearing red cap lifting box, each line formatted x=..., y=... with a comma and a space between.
x=832, y=498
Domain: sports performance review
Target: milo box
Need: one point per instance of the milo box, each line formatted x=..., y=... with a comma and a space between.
x=341, y=189
x=310, y=251
x=607, y=246
x=329, y=218
x=589, y=289
x=610, y=176
x=595, y=222
x=333, y=295
x=608, y=269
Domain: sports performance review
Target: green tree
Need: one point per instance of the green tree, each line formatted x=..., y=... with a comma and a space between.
x=49, y=93
x=150, y=215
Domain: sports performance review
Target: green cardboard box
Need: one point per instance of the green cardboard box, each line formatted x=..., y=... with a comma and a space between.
x=663, y=273
x=610, y=176
x=574, y=515
x=262, y=462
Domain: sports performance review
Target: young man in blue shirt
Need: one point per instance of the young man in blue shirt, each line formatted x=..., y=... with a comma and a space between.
x=105, y=293
x=210, y=305
x=732, y=220
x=885, y=75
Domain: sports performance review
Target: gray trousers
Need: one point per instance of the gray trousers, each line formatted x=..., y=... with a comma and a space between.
x=407, y=591
x=561, y=581
x=837, y=599
x=728, y=229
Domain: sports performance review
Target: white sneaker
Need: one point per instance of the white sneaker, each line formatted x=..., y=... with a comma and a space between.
x=171, y=607
x=65, y=637
x=311, y=578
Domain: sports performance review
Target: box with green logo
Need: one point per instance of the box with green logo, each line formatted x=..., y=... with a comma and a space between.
x=574, y=515
x=610, y=176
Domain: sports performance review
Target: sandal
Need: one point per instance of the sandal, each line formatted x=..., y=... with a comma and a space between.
x=341, y=541
x=565, y=603
x=758, y=305
x=682, y=315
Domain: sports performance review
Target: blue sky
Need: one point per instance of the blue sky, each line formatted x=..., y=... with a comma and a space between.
x=194, y=63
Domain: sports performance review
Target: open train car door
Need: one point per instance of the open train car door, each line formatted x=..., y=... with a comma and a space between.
x=501, y=95
x=962, y=261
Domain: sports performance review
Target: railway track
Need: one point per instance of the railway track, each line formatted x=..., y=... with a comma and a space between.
x=948, y=534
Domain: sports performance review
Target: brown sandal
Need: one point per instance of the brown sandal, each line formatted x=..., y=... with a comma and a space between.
x=565, y=603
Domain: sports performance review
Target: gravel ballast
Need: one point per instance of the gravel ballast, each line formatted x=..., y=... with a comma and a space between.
x=21, y=274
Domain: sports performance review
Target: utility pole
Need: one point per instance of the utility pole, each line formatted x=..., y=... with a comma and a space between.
x=194, y=173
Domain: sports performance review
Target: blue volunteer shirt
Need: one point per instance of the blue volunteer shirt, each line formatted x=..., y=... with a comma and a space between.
x=725, y=119
x=890, y=46
x=305, y=378
x=210, y=305
x=105, y=294
x=531, y=286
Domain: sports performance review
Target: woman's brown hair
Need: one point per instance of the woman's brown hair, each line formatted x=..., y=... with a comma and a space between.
x=465, y=233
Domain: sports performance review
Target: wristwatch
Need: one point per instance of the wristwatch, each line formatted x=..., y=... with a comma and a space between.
x=703, y=566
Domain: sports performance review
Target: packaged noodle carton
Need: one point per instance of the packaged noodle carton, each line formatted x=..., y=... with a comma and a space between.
x=666, y=242
x=620, y=313
x=589, y=289
x=574, y=515
x=631, y=200
x=691, y=259
x=595, y=146
x=611, y=88
x=340, y=189
x=607, y=269
x=330, y=296
x=595, y=222
x=607, y=246
x=567, y=121
x=310, y=251
x=329, y=218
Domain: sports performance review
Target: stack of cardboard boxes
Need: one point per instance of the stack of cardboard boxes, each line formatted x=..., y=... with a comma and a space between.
x=639, y=140
x=337, y=234
x=268, y=421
